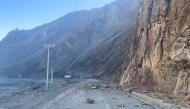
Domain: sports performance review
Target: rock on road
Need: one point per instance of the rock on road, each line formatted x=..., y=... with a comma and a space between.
x=74, y=95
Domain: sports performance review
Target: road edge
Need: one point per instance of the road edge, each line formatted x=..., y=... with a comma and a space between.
x=156, y=101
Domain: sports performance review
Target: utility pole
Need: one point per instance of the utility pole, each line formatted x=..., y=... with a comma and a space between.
x=51, y=75
x=48, y=47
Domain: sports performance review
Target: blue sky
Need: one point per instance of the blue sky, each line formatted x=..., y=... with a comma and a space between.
x=27, y=14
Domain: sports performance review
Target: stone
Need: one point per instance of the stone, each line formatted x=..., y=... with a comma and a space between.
x=188, y=97
x=146, y=103
x=90, y=101
x=121, y=105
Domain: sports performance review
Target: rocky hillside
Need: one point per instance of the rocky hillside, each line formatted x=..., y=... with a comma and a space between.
x=159, y=54
x=107, y=56
x=20, y=44
x=106, y=24
x=97, y=32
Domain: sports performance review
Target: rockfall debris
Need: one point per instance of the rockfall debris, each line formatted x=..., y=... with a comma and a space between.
x=90, y=101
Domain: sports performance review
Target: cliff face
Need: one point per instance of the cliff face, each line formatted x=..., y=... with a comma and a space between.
x=160, y=51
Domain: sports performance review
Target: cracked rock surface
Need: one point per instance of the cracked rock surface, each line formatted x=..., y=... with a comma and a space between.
x=160, y=50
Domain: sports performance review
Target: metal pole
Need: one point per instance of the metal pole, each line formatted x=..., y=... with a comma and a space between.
x=47, y=68
x=51, y=76
x=48, y=47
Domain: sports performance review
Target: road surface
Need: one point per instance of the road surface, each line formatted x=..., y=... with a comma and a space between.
x=73, y=95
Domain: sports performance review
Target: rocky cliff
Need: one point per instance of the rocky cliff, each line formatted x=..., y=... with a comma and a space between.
x=160, y=51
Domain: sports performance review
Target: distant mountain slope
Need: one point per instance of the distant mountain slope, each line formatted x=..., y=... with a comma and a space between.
x=107, y=57
x=75, y=47
x=19, y=44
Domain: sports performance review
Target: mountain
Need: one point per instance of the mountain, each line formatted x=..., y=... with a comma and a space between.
x=97, y=33
x=159, y=53
x=107, y=57
x=20, y=44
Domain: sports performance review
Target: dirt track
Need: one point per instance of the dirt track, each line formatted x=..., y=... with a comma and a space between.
x=72, y=95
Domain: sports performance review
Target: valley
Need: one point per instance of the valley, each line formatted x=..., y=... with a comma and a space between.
x=126, y=54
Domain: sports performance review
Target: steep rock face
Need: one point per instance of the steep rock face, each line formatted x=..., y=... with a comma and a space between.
x=160, y=51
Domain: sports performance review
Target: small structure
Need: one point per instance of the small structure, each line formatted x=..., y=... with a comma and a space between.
x=68, y=76
x=20, y=76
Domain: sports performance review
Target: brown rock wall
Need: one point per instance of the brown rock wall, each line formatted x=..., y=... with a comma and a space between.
x=160, y=52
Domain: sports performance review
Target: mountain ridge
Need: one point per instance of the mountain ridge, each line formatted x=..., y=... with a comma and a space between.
x=35, y=38
x=98, y=28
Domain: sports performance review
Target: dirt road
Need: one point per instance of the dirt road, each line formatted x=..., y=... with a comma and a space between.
x=72, y=95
